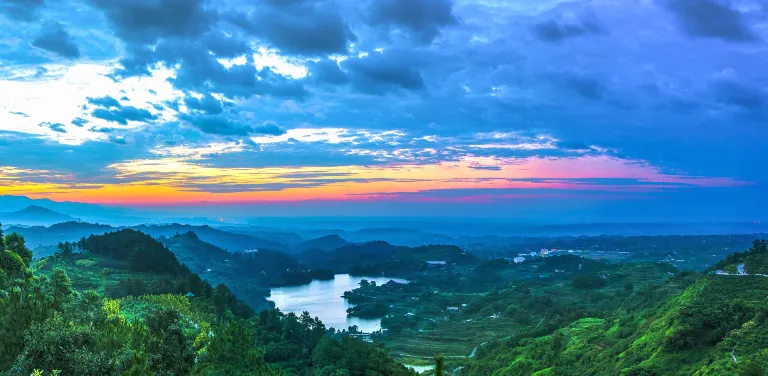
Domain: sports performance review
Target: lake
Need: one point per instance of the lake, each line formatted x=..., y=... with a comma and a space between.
x=323, y=299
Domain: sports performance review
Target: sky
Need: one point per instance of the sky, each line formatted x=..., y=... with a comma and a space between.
x=593, y=110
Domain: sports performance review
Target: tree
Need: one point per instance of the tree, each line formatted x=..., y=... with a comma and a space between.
x=65, y=249
x=2, y=243
x=753, y=369
x=61, y=286
x=170, y=351
x=11, y=263
x=16, y=244
x=221, y=297
x=439, y=365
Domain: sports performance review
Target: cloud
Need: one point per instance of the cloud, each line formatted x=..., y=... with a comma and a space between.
x=219, y=125
x=105, y=101
x=19, y=113
x=379, y=73
x=555, y=31
x=710, y=19
x=327, y=71
x=207, y=104
x=22, y=10
x=102, y=129
x=56, y=127
x=55, y=39
x=423, y=20
x=148, y=21
x=124, y=114
x=302, y=27
x=729, y=89
x=199, y=71
x=586, y=86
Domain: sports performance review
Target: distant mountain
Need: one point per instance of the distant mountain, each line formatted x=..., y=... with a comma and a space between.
x=85, y=212
x=223, y=239
x=356, y=255
x=287, y=238
x=34, y=215
x=325, y=243
x=38, y=237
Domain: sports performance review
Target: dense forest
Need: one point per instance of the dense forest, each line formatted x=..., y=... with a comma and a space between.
x=126, y=303
x=691, y=324
x=47, y=325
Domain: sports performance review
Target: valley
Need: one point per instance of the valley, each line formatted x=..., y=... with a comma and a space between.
x=417, y=302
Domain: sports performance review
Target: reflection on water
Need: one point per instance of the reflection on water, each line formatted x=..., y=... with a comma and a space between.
x=323, y=299
x=421, y=369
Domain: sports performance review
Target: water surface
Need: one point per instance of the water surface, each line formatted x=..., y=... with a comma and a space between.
x=323, y=299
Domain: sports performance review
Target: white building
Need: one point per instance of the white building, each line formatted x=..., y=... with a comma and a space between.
x=518, y=260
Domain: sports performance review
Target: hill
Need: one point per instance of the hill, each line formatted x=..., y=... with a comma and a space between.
x=40, y=236
x=34, y=215
x=248, y=274
x=324, y=243
x=161, y=320
x=712, y=323
x=375, y=258
x=223, y=239
x=282, y=237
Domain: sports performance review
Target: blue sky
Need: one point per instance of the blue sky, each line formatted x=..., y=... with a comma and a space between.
x=596, y=109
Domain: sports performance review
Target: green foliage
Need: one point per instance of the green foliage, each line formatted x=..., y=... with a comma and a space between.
x=439, y=365
x=49, y=327
x=15, y=243
x=693, y=324
x=12, y=264
x=142, y=252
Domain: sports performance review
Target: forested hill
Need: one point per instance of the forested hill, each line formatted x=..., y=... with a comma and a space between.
x=232, y=242
x=161, y=319
x=711, y=323
x=380, y=256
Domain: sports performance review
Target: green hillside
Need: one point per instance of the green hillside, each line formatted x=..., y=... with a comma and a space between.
x=693, y=324
x=157, y=318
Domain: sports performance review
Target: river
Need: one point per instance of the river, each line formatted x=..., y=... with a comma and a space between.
x=323, y=299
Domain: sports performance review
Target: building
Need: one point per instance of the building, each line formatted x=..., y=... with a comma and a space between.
x=436, y=263
x=518, y=260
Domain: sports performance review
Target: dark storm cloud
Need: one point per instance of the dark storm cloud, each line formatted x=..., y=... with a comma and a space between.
x=200, y=71
x=710, y=19
x=303, y=27
x=207, y=104
x=327, y=71
x=55, y=39
x=220, y=125
x=380, y=73
x=147, y=21
x=423, y=19
x=22, y=10
x=223, y=45
x=124, y=114
x=556, y=31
